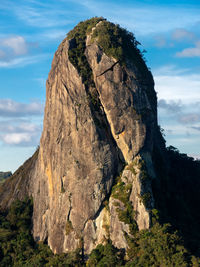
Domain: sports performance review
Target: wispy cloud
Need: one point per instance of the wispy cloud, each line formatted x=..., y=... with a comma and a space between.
x=42, y=18
x=190, y=52
x=17, y=44
x=2, y=54
x=177, y=84
x=23, y=61
x=160, y=41
x=49, y=14
x=188, y=114
x=175, y=37
x=183, y=35
x=158, y=18
x=196, y=128
x=54, y=34
x=171, y=106
x=40, y=14
x=190, y=118
x=15, y=51
x=11, y=108
x=26, y=134
x=179, y=106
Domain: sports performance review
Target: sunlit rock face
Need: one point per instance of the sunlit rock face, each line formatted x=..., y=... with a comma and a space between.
x=90, y=133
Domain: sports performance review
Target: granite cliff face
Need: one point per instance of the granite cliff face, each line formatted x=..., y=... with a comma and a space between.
x=93, y=133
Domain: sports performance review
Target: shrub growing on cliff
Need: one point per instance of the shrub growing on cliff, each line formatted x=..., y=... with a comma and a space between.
x=115, y=41
x=76, y=52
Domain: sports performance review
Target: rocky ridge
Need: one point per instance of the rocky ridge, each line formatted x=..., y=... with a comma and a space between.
x=100, y=120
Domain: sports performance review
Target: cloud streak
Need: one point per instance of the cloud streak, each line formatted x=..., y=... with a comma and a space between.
x=11, y=108
x=17, y=44
x=19, y=133
x=190, y=118
x=190, y=52
x=23, y=61
x=171, y=106
x=158, y=18
x=177, y=84
x=183, y=35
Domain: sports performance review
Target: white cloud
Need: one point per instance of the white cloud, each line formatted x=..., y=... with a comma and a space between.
x=2, y=54
x=11, y=108
x=196, y=128
x=16, y=138
x=42, y=15
x=190, y=52
x=170, y=106
x=189, y=118
x=143, y=18
x=16, y=43
x=18, y=126
x=177, y=84
x=18, y=133
x=23, y=61
x=179, y=107
x=138, y=17
x=54, y=34
x=14, y=52
x=182, y=34
x=170, y=69
x=160, y=41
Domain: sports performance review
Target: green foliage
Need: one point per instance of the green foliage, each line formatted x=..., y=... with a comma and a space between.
x=159, y=246
x=106, y=256
x=176, y=194
x=126, y=214
x=121, y=191
x=17, y=247
x=115, y=42
x=77, y=49
x=118, y=43
x=131, y=167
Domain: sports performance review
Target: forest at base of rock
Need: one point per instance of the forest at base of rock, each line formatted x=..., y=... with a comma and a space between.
x=173, y=239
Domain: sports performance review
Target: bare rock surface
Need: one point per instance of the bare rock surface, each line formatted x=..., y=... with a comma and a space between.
x=83, y=149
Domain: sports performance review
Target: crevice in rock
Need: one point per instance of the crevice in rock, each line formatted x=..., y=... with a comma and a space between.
x=70, y=207
x=62, y=185
x=109, y=69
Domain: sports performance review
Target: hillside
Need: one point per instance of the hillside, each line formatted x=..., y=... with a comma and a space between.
x=4, y=176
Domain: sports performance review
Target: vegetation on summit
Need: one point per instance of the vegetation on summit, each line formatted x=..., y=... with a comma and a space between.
x=114, y=40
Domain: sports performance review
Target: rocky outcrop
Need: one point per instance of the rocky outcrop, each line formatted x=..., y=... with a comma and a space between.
x=19, y=185
x=90, y=132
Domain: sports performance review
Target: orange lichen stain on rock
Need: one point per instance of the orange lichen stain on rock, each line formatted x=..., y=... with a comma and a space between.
x=122, y=133
x=50, y=181
x=41, y=158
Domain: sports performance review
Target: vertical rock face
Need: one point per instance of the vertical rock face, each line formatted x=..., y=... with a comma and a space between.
x=77, y=159
x=91, y=130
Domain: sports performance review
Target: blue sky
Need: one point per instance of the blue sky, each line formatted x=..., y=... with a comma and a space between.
x=31, y=30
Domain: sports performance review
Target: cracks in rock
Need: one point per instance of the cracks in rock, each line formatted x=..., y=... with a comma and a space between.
x=62, y=185
x=70, y=206
x=109, y=69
